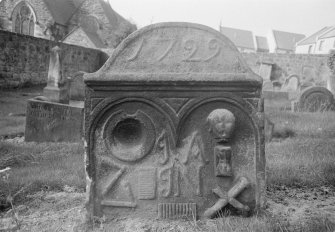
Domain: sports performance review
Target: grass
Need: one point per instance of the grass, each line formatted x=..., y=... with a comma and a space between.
x=302, y=154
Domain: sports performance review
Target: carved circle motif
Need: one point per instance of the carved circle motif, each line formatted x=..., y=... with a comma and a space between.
x=129, y=137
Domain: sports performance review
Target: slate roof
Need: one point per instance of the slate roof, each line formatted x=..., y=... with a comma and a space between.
x=286, y=40
x=241, y=38
x=92, y=36
x=261, y=43
x=62, y=10
x=313, y=38
x=329, y=33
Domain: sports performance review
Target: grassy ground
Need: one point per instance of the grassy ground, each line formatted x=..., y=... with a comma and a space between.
x=302, y=155
x=13, y=109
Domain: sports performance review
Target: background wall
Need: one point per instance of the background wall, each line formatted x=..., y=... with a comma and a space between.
x=25, y=59
x=309, y=67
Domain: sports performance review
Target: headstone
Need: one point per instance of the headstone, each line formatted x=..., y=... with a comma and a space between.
x=267, y=86
x=77, y=87
x=277, y=99
x=291, y=84
x=174, y=127
x=331, y=76
x=265, y=70
x=316, y=99
x=268, y=129
x=57, y=86
x=53, y=122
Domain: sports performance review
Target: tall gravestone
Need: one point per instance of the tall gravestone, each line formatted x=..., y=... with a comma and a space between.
x=50, y=118
x=57, y=86
x=174, y=127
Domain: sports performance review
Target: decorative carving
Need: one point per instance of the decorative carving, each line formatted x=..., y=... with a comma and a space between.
x=254, y=103
x=94, y=103
x=192, y=47
x=177, y=210
x=176, y=104
x=163, y=148
x=222, y=161
x=112, y=178
x=166, y=176
x=127, y=204
x=137, y=52
x=147, y=183
x=221, y=124
x=167, y=51
x=213, y=44
x=129, y=137
x=228, y=198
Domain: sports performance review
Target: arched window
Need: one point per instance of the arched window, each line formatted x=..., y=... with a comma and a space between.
x=23, y=19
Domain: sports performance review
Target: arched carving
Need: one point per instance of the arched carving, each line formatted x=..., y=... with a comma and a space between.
x=24, y=19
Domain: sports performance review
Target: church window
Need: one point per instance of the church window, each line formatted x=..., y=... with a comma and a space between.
x=23, y=19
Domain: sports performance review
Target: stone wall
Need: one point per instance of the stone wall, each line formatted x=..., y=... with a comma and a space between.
x=312, y=68
x=25, y=59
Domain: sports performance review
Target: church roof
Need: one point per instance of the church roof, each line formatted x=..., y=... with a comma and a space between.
x=62, y=10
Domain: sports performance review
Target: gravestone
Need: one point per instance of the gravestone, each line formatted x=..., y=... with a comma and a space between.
x=54, y=122
x=291, y=84
x=52, y=117
x=57, y=89
x=265, y=70
x=315, y=99
x=77, y=87
x=174, y=127
x=267, y=86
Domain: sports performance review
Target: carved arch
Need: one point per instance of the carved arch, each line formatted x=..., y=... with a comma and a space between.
x=23, y=19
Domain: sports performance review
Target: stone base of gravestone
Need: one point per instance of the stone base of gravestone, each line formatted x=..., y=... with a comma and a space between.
x=57, y=94
x=53, y=122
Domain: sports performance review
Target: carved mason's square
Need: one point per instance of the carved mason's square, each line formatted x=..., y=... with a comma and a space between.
x=174, y=127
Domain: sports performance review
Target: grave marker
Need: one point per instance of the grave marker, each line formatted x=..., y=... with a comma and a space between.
x=174, y=127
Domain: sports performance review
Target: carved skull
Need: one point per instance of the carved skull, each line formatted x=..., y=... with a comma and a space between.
x=221, y=124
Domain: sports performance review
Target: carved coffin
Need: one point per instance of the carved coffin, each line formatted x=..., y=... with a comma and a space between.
x=174, y=127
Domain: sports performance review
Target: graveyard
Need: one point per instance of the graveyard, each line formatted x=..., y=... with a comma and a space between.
x=170, y=135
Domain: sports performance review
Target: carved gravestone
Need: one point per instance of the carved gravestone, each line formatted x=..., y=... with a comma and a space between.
x=174, y=127
x=314, y=99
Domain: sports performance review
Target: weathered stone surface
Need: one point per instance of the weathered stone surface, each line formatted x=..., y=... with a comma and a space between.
x=292, y=84
x=265, y=70
x=53, y=122
x=267, y=86
x=57, y=89
x=174, y=127
x=77, y=87
x=315, y=99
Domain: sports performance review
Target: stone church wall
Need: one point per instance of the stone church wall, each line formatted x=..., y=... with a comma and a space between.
x=25, y=59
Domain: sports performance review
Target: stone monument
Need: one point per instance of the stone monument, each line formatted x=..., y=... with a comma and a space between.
x=50, y=118
x=174, y=127
x=57, y=89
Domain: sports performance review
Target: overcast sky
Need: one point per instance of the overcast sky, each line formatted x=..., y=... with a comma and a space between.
x=259, y=16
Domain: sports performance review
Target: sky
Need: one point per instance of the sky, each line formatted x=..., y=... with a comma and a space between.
x=259, y=16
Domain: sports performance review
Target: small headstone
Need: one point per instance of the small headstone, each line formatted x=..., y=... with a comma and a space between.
x=174, y=125
x=268, y=129
x=77, y=87
x=316, y=99
x=265, y=70
x=267, y=86
x=53, y=122
x=291, y=84
x=57, y=86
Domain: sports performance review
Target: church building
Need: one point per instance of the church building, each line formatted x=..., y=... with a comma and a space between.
x=88, y=23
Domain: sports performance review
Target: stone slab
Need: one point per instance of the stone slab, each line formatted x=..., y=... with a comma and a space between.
x=174, y=127
x=53, y=122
